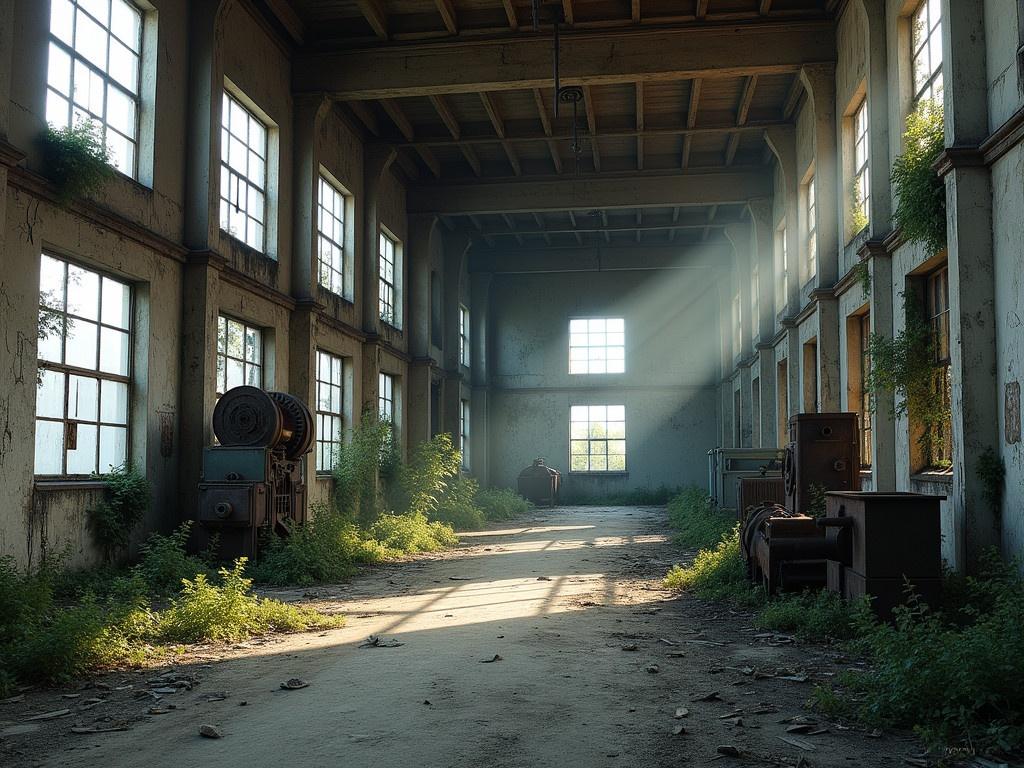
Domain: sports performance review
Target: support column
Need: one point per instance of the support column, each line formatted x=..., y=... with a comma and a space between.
x=309, y=112
x=421, y=231
x=971, y=276
x=819, y=80
x=764, y=241
x=830, y=383
x=479, y=340
x=880, y=213
x=740, y=236
x=377, y=161
x=782, y=142
x=883, y=420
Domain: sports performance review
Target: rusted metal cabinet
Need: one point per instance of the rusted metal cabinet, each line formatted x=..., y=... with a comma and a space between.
x=540, y=483
x=823, y=451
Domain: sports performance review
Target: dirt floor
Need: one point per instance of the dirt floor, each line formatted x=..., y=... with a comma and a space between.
x=545, y=642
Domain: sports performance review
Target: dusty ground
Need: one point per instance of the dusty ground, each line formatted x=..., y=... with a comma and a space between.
x=595, y=660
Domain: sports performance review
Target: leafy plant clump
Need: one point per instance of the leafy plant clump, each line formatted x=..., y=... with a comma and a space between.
x=862, y=273
x=125, y=502
x=992, y=474
x=164, y=562
x=229, y=611
x=814, y=615
x=367, y=462
x=698, y=523
x=501, y=503
x=920, y=212
x=638, y=497
x=411, y=533
x=458, y=506
x=718, y=573
x=906, y=366
x=76, y=159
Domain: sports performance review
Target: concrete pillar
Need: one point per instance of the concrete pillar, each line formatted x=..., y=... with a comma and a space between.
x=7, y=24
x=819, y=81
x=794, y=355
x=302, y=366
x=883, y=420
x=205, y=86
x=309, y=112
x=422, y=229
x=830, y=384
x=764, y=242
x=971, y=275
x=480, y=342
x=376, y=162
x=200, y=289
x=880, y=213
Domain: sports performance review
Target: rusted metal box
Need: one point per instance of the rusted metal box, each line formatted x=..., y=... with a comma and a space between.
x=887, y=594
x=824, y=451
x=755, y=491
x=540, y=483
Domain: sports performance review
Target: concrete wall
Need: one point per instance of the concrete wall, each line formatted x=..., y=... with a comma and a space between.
x=668, y=389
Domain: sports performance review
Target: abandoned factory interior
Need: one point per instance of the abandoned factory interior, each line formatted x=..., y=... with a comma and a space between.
x=691, y=328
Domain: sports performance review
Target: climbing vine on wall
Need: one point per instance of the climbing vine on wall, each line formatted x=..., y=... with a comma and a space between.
x=920, y=194
x=906, y=365
x=125, y=501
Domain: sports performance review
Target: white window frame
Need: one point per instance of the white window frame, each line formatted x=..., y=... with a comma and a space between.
x=388, y=274
x=811, y=214
x=596, y=434
x=244, y=173
x=84, y=388
x=737, y=325
x=597, y=345
x=464, y=354
x=387, y=384
x=331, y=204
x=926, y=51
x=755, y=301
x=80, y=88
x=330, y=406
x=464, y=432
x=782, y=283
x=862, y=159
x=251, y=361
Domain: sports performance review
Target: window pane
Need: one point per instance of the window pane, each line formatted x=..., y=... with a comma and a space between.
x=114, y=351
x=50, y=394
x=91, y=40
x=56, y=109
x=59, y=70
x=114, y=402
x=120, y=111
x=82, y=460
x=80, y=346
x=62, y=20
x=49, y=447
x=235, y=374
x=83, y=398
x=126, y=23
x=116, y=303
x=124, y=66
x=113, y=447
x=83, y=293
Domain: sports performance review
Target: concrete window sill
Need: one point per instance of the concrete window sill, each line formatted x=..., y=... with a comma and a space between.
x=945, y=478
x=69, y=484
x=599, y=474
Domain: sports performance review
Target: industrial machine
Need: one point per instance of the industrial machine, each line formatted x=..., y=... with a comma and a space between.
x=755, y=491
x=727, y=466
x=874, y=544
x=540, y=483
x=252, y=481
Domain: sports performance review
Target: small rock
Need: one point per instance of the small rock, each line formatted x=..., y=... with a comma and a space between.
x=209, y=732
x=294, y=684
x=653, y=669
x=678, y=730
x=631, y=647
x=50, y=715
x=495, y=658
x=729, y=750
x=681, y=712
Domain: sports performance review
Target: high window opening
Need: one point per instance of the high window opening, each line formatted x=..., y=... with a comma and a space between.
x=597, y=438
x=93, y=73
x=388, y=279
x=331, y=236
x=861, y=159
x=755, y=301
x=243, y=174
x=782, y=273
x=330, y=420
x=386, y=398
x=737, y=325
x=239, y=355
x=782, y=402
x=597, y=345
x=937, y=308
x=464, y=336
x=464, y=432
x=811, y=213
x=84, y=371
x=926, y=50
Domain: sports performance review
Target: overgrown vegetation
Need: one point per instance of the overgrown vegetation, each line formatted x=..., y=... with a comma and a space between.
x=991, y=474
x=858, y=216
x=696, y=520
x=906, y=366
x=862, y=273
x=75, y=159
x=920, y=194
x=501, y=503
x=955, y=676
x=125, y=501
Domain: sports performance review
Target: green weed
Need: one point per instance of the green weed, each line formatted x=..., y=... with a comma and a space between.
x=501, y=503
x=698, y=523
x=717, y=574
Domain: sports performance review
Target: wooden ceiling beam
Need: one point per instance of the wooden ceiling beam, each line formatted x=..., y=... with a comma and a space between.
x=702, y=9
x=591, y=192
x=745, y=100
x=766, y=7
x=512, y=226
x=545, y=121
x=510, y=13
x=498, y=122
x=568, y=12
x=374, y=13
x=541, y=228
x=447, y=11
x=691, y=119
x=731, y=147
x=588, y=101
x=447, y=116
x=594, y=57
x=640, y=126
x=575, y=227
x=361, y=109
x=635, y=11
x=401, y=121
x=472, y=158
x=600, y=228
x=796, y=90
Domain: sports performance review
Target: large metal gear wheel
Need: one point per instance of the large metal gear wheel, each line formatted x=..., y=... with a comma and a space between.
x=247, y=417
x=298, y=424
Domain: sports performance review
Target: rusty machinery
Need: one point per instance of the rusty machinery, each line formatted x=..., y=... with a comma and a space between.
x=540, y=483
x=252, y=482
x=859, y=546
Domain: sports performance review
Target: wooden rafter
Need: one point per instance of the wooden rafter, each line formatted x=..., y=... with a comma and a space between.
x=675, y=218
x=691, y=118
x=702, y=9
x=635, y=11
x=796, y=90
x=567, y=12
x=604, y=220
x=730, y=148
x=510, y=12
x=766, y=7
x=401, y=121
x=447, y=10
x=491, y=107
x=639, y=223
x=547, y=231
x=512, y=227
x=374, y=13
x=575, y=226
x=743, y=110
x=542, y=228
x=480, y=228
x=361, y=109
x=545, y=122
x=444, y=111
x=712, y=212
x=588, y=100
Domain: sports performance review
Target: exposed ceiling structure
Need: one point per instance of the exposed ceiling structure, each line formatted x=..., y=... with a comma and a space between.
x=463, y=89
